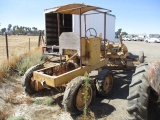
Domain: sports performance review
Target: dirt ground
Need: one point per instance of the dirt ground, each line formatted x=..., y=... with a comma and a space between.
x=112, y=107
x=17, y=45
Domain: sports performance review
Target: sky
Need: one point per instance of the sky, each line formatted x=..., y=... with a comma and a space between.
x=132, y=16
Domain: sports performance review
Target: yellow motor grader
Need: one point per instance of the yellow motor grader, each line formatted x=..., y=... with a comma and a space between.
x=83, y=54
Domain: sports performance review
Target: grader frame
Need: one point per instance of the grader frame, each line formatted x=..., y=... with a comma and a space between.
x=83, y=54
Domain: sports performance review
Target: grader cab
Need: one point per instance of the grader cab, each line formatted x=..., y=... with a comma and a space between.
x=83, y=54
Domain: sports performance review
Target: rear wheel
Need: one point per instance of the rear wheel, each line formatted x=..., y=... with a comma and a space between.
x=73, y=98
x=104, y=82
x=28, y=82
x=139, y=93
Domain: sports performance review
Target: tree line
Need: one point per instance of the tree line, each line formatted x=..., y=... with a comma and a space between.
x=119, y=31
x=21, y=30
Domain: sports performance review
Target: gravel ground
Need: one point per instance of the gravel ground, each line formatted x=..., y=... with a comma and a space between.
x=151, y=50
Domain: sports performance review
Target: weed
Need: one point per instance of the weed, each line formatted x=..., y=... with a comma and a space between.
x=16, y=118
x=86, y=95
x=87, y=114
x=48, y=101
x=28, y=60
x=38, y=102
x=44, y=101
x=90, y=116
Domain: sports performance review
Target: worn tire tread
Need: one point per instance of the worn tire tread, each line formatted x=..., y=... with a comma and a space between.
x=138, y=98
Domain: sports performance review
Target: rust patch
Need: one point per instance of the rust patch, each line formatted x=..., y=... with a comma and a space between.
x=154, y=76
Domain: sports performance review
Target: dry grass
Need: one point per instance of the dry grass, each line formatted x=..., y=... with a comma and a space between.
x=2, y=76
x=15, y=96
x=19, y=64
x=17, y=45
x=3, y=115
x=12, y=95
x=18, y=48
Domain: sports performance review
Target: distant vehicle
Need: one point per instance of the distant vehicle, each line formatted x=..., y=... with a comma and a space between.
x=135, y=38
x=141, y=39
x=152, y=38
x=126, y=38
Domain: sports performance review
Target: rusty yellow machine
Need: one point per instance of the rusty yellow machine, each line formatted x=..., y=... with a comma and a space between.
x=83, y=54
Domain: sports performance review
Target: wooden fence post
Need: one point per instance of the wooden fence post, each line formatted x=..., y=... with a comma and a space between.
x=29, y=44
x=43, y=40
x=7, y=46
x=39, y=40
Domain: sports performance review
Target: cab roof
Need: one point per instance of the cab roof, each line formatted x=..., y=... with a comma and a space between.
x=76, y=9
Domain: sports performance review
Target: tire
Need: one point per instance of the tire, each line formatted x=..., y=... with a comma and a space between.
x=141, y=57
x=70, y=97
x=139, y=93
x=102, y=80
x=27, y=79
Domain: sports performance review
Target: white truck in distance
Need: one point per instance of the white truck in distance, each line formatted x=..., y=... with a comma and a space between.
x=126, y=38
x=135, y=38
x=152, y=38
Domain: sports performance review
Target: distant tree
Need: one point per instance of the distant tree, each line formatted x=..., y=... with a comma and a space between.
x=21, y=30
x=33, y=28
x=14, y=30
x=124, y=33
x=26, y=29
x=9, y=27
x=3, y=30
x=119, y=30
x=118, y=33
x=29, y=29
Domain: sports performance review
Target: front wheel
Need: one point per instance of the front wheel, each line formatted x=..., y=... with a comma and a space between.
x=104, y=83
x=73, y=99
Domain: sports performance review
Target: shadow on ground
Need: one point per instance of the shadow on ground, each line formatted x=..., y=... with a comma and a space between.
x=101, y=109
x=121, y=84
x=120, y=91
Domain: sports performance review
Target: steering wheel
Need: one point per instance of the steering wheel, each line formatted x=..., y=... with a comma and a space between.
x=90, y=31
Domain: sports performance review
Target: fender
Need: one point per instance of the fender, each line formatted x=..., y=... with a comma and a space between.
x=154, y=76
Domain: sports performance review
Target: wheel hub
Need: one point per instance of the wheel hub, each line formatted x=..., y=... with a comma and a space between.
x=80, y=102
x=108, y=83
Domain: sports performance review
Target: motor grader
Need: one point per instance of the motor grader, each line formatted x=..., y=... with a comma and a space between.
x=91, y=54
